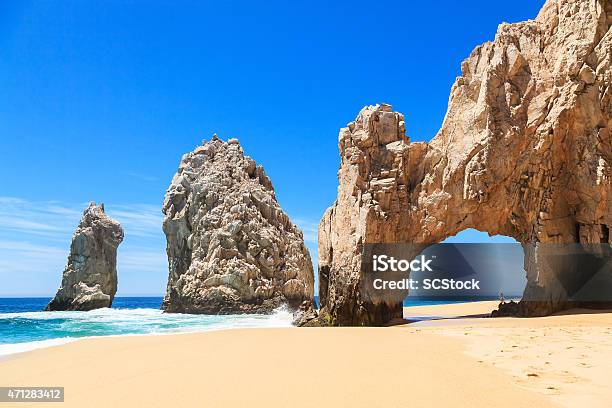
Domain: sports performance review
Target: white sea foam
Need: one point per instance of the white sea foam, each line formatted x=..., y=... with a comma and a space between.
x=33, y=330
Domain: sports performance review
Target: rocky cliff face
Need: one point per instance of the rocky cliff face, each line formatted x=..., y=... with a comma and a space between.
x=231, y=248
x=90, y=278
x=524, y=151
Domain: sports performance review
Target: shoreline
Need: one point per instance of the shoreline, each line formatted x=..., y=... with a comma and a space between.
x=280, y=318
x=29, y=346
x=67, y=340
x=458, y=361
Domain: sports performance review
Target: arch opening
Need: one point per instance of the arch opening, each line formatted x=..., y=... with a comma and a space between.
x=497, y=262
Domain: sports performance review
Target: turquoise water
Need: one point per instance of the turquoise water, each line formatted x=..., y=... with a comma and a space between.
x=24, y=326
x=14, y=305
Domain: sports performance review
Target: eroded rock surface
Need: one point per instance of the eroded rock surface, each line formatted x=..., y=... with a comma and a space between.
x=524, y=151
x=90, y=278
x=231, y=248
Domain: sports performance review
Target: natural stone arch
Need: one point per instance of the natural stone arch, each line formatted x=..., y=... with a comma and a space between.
x=524, y=151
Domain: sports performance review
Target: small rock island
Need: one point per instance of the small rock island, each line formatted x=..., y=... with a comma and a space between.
x=90, y=278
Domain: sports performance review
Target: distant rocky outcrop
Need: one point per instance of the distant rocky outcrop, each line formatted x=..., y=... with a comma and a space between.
x=90, y=278
x=524, y=150
x=231, y=248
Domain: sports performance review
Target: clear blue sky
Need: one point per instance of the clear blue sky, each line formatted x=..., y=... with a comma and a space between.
x=101, y=98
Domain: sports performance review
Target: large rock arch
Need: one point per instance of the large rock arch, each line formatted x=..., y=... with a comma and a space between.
x=524, y=151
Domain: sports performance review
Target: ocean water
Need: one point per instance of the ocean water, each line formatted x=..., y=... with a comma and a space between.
x=24, y=326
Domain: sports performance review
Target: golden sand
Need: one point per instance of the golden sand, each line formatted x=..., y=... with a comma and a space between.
x=545, y=362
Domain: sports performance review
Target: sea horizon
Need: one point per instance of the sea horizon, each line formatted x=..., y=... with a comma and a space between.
x=119, y=301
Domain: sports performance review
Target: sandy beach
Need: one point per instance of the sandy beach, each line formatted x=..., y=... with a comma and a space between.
x=555, y=361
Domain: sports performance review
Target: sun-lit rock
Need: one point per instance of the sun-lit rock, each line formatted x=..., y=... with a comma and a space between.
x=90, y=278
x=524, y=151
x=231, y=248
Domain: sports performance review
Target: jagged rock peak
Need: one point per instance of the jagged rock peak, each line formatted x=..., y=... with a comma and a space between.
x=376, y=125
x=231, y=248
x=89, y=280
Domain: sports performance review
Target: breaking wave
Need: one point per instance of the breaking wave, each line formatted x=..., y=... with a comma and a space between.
x=25, y=331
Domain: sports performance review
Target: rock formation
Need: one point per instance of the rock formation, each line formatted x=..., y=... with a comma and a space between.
x=90, y=278
x=231, y=248
x=524, y=151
